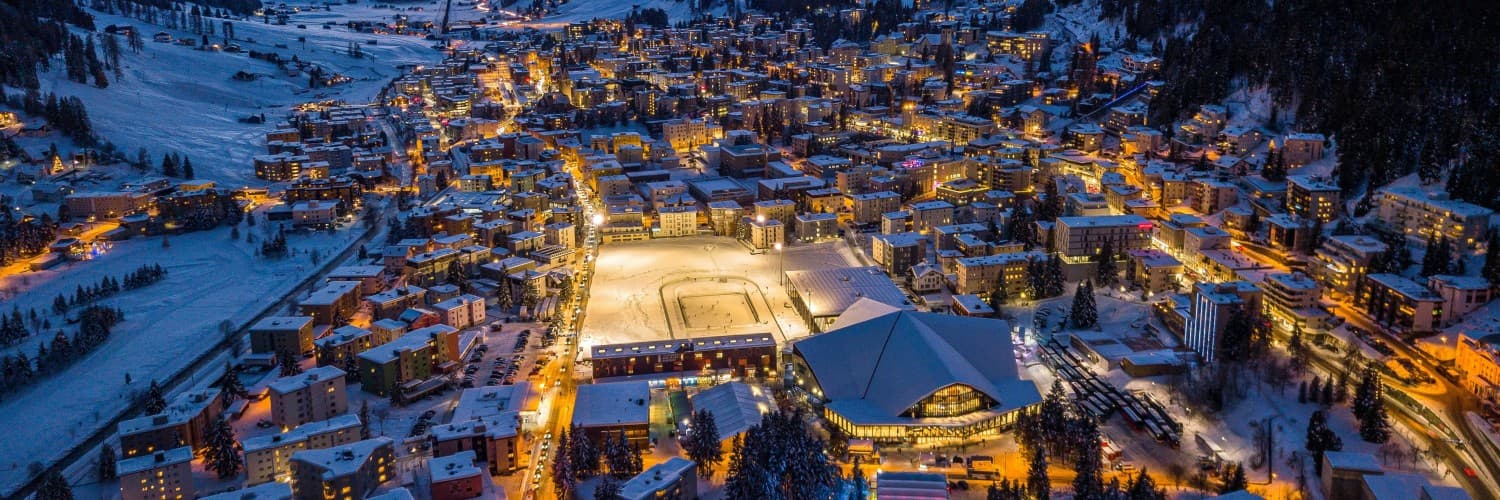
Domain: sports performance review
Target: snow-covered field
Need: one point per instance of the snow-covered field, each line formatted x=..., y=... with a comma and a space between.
x=630, y=279
x=178, y=98
x=211, y=278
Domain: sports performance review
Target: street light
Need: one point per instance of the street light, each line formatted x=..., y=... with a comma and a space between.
x=598, y=219
x=780, y=265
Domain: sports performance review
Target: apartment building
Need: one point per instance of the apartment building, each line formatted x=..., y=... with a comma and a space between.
x=408, y=360
x=1291, y=300
x=282, y=333
x=461, y=312
x=676, y=221
x=164, y=474
x=1213, y=305
x=897, y=253
x=269, y=458
x=929, y=214
x=1400, y=304
x=1344, y=260
x=1478, y=359
x=106, y=205
x=346, y=472
x=184, y=422
x=1079, y=239
x=866, y=208
x=317, y=394
x=332, y=303
x=978, y=275
x=1461, y=295
x=346, y=341
x=1420, y=215
x=1312, y=198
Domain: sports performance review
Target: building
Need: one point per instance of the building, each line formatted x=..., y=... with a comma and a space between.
x=317, y=394
x=1079, y=239
x=1344, y=472
x=676, y=221
x=1312, y=198
x=461, y=312
x=609, y=409
x=455, y=477
x=1213, y=305
x=764, y=234
x=980, y=275
x=734, y=406
x=1290, y=300
x=263, y=491
x=346, y=472
x=409, y=360
x=106, y=205
x=898, y=252
x=1420, y=215
x=332, y=303
x=1343, y=261
x=1400, y=304
x=676, y=478
x=727, y=356
x=184, y=422
x=315, y=213
x=866, y=208
x=1155, y=271
x=164, y=474
x=1478, y=360
x=268, y=458
x=340, y=347
x=487, y=421
x=821, y=295
x=929, y=214
x=816, y=226
x=1302, y=148
x=898, y=376
x=277, y=334
x=1461, y=294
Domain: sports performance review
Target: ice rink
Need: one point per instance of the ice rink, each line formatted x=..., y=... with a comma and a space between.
x=697, y=286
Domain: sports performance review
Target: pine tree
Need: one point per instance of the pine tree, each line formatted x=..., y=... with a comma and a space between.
x=624, y=460
x=1302, y=393
x=1297, y=350
x=703, y=444
x=1321, y=439
x=1438, y=259
x=562, y=470
x=187, y=168
x=168, y=167
x=106, y=462
x=54, y=487
x=608, y=489
x=223, y=455
x=231, y=385
x=583, y=454
x=1236, y=479
x=1369, y=407
x=155, y=401
x=858, y=485
x=351, y=368
x=1107, y=273
x=1491, y=269
x=1053, y=278
x=1038, y=482
x=1084, y=313
x=288, y=363
x=998, y=294
x=364, y=420
x=1089, y=482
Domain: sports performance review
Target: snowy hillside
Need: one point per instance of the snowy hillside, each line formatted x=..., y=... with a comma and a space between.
x=159, y=106
x=583, y=10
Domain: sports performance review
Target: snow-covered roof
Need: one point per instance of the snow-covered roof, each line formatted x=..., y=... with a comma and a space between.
x=879, y=360
x=154, y=460
x=300, y=381
x=274, y=490
x=913, y=485
x=830, y=292
x=342, y=460
x=647, y=483
x=735, y=406
x=479, y=402
x=452, y=467
x=396, y=494
x=1348, y=460
x=612, y=404
x=300, y=433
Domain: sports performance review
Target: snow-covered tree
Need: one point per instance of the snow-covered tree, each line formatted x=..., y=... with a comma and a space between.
x=1089, y=467
x=1369, y=407
x=1038, y=482
x=107, y=462
x=364, y=420
x=702, y=442
x=1084, y=314
x=1106, y=272
x=287, y=361
x=54, y=487
x=223, y=455
x=1321, y=439
x=156, y=402
x=623, y=459
x=563, y=481
x=584, y=455
x=608, y=489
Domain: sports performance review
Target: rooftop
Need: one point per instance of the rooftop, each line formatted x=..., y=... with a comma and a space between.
x=300, y=433
x=671, y=346
x=1403, y=286
x=828, y=292
x=342, y=460
x=735, y=406
x=330, y=293
x=414, y=339
x=1103, y=221
x=265, y=491
x=281, y=323
x=456, y=466
x=302, y=380
x=153, y=461
x=645, y=484
x=479, y=402
x=612, y=404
